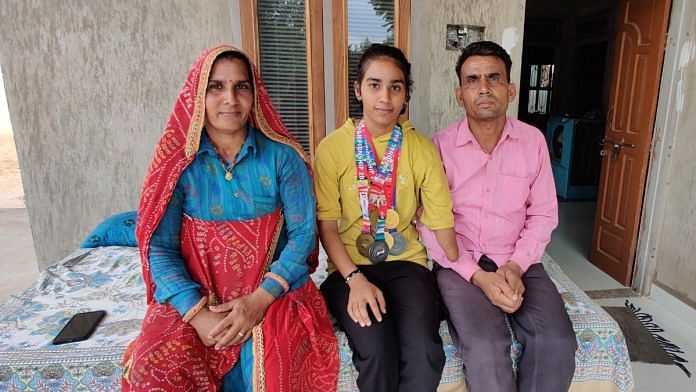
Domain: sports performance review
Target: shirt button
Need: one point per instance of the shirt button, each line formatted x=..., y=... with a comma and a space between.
x=236, y=194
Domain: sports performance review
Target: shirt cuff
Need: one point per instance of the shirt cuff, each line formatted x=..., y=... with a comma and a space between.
x=524, y=260
x=185, y=300
x=465, y=266
x=274, y=288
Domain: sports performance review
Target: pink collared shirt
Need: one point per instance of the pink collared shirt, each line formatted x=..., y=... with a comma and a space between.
x=504, y=203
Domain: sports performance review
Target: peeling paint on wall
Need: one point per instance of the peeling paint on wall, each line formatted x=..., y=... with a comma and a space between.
x=680, y=96
x=509, y=39
x=687, y=54
x=688, y=51
x=433, y=104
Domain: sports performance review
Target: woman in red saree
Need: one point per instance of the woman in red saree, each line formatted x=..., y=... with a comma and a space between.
x=227, y=240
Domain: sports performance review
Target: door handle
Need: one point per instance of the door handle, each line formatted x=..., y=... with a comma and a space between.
x=615, y=147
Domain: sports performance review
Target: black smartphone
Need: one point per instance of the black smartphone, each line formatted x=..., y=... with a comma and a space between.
x=80, y=327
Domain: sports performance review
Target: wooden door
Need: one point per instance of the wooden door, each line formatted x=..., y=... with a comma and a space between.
x=637, y=66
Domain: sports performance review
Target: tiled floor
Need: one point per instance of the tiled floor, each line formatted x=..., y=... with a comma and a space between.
x=570, y=245
x=18, y=267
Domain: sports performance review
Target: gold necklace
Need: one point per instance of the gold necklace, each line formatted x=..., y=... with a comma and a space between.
x=228, y=173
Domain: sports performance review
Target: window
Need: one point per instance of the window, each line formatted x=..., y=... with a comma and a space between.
x=283, y=64
x=286, y=40
x=369, y=22
x=364, y=22
x=540, y=84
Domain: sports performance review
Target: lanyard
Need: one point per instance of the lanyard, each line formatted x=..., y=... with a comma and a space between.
x=380, y=175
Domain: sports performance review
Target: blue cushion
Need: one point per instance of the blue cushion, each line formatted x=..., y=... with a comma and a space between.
x=116, y=230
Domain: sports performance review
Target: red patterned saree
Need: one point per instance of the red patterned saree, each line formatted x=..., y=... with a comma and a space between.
x=294, y=346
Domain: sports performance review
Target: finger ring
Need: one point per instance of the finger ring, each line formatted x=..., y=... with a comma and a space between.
x=240, y=334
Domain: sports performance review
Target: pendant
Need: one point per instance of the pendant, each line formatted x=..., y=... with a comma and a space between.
x=378, y=252
x=400, y=244
x=228, y=176
x=363, y=243
x=392, y=220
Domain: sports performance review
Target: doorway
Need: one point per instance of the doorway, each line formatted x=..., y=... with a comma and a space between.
x=590, y=78
x=11, y=189
x=18, y=257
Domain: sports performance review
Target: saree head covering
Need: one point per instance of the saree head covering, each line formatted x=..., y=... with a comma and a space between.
x=178, y=146
x=294, y=348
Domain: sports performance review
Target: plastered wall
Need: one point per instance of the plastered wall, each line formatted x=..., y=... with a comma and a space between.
x=433, y=104
x=676, y=247
x=90, y=85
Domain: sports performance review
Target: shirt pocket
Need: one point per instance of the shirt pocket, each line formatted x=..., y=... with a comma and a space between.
x=513, y=193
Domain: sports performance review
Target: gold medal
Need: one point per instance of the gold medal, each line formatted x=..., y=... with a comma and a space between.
x=389, y=240
x=392, y=220
x=228, y=175
x=363, y=243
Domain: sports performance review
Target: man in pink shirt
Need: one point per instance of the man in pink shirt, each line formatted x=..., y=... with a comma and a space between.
x=505, y=210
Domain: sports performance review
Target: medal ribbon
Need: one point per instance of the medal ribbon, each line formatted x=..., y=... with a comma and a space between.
x=382, y=179
x=393, y=187
x=364, y=161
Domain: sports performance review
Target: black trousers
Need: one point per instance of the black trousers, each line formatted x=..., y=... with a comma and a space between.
x=404, y=351
x=541, y=325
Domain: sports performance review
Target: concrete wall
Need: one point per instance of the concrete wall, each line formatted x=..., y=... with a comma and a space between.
x=433, y=104
x=676, y=245
x=90, y=85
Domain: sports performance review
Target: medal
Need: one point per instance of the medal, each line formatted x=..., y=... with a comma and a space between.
x=392, y=219
x=400, y=244
x=363, y=243
x=375, y=183
x=389, y=239
x=378, y=252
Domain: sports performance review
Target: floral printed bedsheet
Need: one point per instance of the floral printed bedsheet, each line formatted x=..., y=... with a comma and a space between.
x=109, y=278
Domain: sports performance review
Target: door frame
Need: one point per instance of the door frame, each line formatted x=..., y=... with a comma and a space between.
x=666, y=122
x=659, y=161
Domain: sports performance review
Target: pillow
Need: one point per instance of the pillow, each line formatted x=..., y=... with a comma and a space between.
x=116, y=230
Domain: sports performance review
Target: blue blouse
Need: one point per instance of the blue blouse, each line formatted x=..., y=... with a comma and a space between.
x=267, y=175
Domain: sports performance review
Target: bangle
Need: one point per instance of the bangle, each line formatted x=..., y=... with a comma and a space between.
x=351, y=275
x=279, y=279
x=194, y=310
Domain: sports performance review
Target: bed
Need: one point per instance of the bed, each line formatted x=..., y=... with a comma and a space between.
x=108, y=278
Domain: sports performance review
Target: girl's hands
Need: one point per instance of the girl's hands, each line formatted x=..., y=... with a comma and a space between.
x=364, y=294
